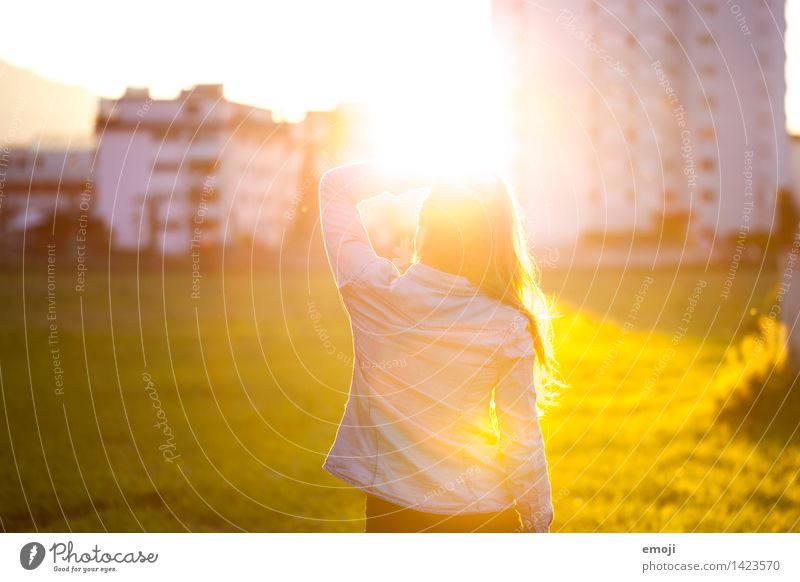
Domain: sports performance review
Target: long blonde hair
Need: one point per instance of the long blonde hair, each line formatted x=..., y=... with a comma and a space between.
x=472, y=226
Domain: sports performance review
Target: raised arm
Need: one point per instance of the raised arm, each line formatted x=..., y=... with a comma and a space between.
x=521, y=443
x=349, y=250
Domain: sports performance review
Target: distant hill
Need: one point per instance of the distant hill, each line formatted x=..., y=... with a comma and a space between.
x=32, y=107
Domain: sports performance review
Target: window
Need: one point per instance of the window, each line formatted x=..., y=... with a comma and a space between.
x=707, y=133
x=166, y=166
x=202, y=165
x=708, y=70
x=709, y=100
x=708, y=164
x=173, y=225
x=705, y=39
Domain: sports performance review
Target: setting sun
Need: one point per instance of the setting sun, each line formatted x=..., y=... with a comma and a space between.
x=445, y=113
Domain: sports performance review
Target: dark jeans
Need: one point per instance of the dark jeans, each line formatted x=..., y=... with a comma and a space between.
x=383, y=517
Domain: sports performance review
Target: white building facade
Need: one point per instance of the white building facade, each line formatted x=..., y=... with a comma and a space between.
x=665, y=118
x=195, y=171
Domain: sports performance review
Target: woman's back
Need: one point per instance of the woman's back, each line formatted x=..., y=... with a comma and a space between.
x=435, y=359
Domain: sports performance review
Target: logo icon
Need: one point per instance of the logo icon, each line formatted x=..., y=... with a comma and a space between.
x=31, y=555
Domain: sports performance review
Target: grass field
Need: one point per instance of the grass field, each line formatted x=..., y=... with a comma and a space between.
x=215, y=413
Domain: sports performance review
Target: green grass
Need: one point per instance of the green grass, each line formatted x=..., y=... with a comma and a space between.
x=252, y=380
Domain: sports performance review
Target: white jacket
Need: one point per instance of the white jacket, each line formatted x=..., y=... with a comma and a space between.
x=441, y=415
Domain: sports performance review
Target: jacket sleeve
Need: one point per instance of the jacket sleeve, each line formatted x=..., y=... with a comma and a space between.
x=521, y=445
x=347, y=245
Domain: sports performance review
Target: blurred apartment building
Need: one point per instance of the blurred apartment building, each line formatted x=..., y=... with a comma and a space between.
x=663, y=118
x=37, y=185
x=200, y=170
x=172, y=175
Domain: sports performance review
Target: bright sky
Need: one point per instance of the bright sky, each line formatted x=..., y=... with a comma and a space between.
x=407, y=58
x=306, y=53
x=285, y=55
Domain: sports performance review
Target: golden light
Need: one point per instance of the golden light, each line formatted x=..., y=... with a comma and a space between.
x=450, y=130
x=445, y=110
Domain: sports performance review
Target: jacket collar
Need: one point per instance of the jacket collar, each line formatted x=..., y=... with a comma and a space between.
x=431, y=277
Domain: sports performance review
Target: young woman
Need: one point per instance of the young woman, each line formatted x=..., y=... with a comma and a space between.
x=441, y=427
